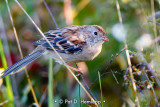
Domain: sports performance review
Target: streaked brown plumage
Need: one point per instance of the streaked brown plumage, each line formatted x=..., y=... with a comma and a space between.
x=73, y=43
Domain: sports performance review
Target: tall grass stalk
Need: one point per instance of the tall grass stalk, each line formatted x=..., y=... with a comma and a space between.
x=50, y=13
x=128, y=58
x=99, y=76
x=7, y=78
x=154, y=23
x=154, y=20
x=64, y=63
x=50, y=83
x=20, y=51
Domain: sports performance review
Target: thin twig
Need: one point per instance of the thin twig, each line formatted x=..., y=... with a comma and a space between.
x=128, y=58
x=9, y=62
x=76, y=64
x=2, y=103
x=20, y=51
x=150, y=69
x=132, y=77
x=111, y=60
x=117, y=54
x=79, y=87
x=119, y=12
x=154, y=22
x=50, y=13
x=64, y=63
x=43, y=97
x=151, y=88
x=88, y=88
x=115, y=77
x=154, y=19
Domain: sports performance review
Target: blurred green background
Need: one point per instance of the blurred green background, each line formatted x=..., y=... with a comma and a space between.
x=81, y=12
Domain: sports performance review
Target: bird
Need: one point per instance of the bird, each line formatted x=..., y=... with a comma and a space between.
x=73, y=43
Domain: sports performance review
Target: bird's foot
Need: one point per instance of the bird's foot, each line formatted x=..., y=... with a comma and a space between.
x=77, y=70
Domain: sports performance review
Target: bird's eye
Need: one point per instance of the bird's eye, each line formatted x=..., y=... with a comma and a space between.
x=95, y=33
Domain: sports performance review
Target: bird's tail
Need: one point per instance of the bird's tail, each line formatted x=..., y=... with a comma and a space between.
x=23, y=62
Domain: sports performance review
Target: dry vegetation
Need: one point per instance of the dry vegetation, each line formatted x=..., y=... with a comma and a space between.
x=125, y=74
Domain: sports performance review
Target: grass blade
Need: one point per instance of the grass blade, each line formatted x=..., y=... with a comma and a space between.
x=50, y=82
x=7, y=78
x=99, y=76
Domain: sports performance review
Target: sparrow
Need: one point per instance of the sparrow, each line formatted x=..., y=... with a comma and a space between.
x=73, y=44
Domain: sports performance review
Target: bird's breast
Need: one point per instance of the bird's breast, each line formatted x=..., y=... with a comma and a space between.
x=92, y=52
x=87, y=54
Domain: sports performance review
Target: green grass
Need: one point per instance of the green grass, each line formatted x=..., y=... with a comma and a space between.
x=50, y=83
x=99, y=76
x=7, y=78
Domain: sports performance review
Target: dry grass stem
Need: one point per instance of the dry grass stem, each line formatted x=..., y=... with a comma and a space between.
x=50, y=13
x=9, y=62
x=4, y=102
x=150, y=69
x=79, y=7
x=128, y=58
x=20, y=51
x=119, y=12
x=153, y=18
x=88, y=88
x=111, y=60
x=56, y=53
x=151, y=88
x=132, y=77
x=43, y=97
x=114, y=77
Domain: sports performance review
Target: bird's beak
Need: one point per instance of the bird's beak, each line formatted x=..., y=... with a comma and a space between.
x=104, y=38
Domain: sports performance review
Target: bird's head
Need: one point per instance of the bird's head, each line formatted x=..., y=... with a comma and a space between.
x=95, y=34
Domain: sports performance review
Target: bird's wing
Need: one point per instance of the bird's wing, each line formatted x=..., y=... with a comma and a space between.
x=64, y=40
